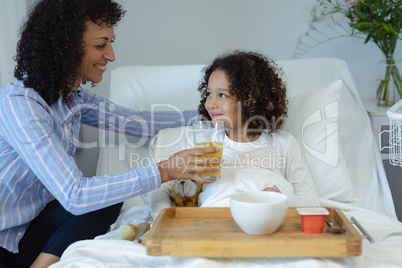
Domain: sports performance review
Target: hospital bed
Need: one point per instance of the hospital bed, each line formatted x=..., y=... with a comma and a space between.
x=326, y=116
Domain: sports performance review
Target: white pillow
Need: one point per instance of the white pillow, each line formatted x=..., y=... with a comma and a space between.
x=313, y=121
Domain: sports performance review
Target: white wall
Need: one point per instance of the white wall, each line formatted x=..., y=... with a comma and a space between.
x=11, y=15
x=194, y=32
x=160, y=32
x=170, y=32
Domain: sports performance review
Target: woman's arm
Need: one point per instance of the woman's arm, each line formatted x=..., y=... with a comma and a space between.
x=31, y=130
x=43, y=149
x=104, y=114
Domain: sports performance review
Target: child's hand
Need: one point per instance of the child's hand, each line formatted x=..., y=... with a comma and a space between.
x=269, y=189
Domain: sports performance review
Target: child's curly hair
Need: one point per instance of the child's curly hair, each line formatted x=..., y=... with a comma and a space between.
x=51, y=46
x=255, y=82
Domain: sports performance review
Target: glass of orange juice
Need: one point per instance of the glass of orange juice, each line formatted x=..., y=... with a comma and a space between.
x=208, y=133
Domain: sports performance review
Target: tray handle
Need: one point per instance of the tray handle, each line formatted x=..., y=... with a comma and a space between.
x=365, y=233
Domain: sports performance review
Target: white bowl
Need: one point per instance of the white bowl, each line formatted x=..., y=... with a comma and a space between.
x=259, y=213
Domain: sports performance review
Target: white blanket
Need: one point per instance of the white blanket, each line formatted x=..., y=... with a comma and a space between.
x=111, y=251
x=236, y=180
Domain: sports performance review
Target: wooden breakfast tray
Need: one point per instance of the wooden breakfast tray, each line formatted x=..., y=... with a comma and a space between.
x=212, y=232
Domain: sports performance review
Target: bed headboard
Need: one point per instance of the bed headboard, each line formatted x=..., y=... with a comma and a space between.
x=326, y=115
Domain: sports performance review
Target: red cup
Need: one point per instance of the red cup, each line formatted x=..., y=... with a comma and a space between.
x=313, y=219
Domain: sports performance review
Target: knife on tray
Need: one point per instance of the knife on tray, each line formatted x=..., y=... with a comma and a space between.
x=144, y=226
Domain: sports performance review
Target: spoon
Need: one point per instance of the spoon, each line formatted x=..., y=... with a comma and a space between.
x=332, y=228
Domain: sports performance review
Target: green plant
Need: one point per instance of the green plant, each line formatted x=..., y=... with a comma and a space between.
x=379, y=21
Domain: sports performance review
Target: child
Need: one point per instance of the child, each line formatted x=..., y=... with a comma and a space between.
x=244, y=90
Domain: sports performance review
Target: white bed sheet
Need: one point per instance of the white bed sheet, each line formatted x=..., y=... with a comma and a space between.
x=304, y=77
x=110, y=250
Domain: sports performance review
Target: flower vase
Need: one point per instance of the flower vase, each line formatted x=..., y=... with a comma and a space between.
x=389, y=80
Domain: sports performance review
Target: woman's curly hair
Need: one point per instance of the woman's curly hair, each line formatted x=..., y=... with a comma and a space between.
x=255, y=82
x=51, y=46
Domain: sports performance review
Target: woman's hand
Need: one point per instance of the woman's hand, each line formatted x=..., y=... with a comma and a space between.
x=185, y=165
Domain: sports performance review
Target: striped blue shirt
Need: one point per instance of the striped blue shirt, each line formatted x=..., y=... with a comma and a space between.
x=37, y=144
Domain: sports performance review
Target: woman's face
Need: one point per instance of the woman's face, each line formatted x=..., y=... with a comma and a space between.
x=98, y=52
x=221, y=106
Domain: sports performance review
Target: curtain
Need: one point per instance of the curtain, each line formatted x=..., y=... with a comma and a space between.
x=12, y=14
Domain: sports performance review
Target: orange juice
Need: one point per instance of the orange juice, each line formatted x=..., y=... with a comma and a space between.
x=217, y=155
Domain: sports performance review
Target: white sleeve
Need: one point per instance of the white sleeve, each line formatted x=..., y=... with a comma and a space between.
x=160, y=198
x=298, y=174
x=161, y=147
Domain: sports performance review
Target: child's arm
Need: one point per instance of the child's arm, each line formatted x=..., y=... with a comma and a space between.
x=298, y=174
x=160, y=198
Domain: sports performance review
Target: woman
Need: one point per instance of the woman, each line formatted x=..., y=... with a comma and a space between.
x=64, y=43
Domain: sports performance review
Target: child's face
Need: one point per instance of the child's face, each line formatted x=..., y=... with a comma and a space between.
x=220, y=105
